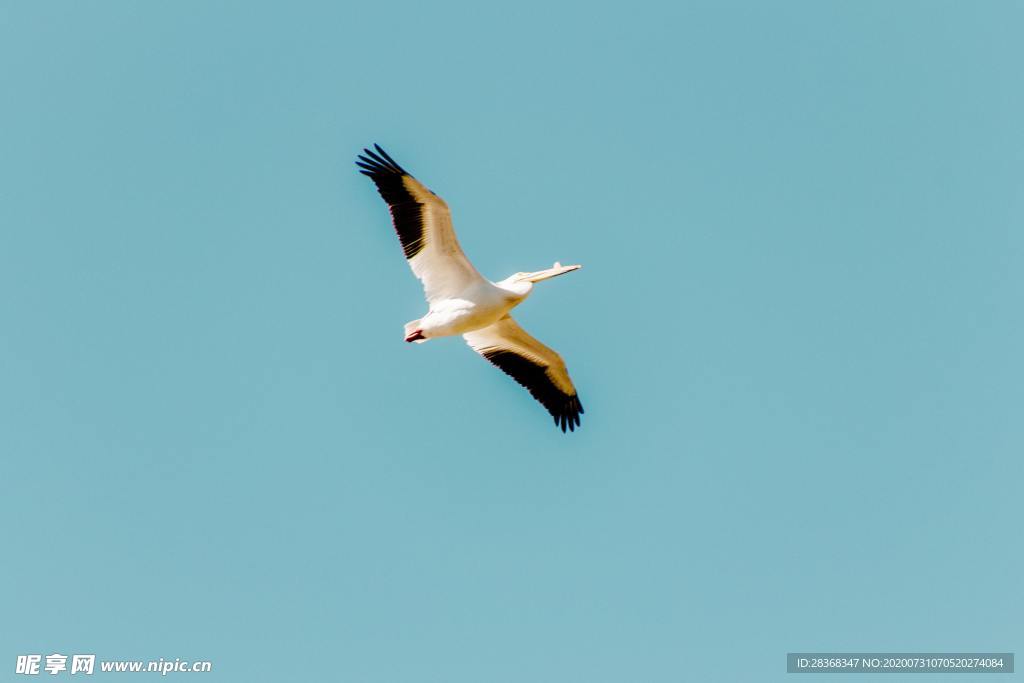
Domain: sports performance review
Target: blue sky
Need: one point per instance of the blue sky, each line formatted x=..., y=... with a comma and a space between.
x=797, y=335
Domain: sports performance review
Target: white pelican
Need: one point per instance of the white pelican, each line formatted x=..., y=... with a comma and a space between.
x=461, y=301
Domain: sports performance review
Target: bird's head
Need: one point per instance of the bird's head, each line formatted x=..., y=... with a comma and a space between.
x=522, y=283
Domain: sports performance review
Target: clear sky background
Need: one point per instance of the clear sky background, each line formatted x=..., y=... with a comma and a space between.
x=797, y=335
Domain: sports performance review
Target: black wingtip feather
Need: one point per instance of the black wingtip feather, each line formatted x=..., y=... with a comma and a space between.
x=565, y=409
x=382, y=159
x=382, y=164
x=406, y=211
x=388, y=158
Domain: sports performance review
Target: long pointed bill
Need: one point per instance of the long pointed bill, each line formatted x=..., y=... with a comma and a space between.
x=557, y=269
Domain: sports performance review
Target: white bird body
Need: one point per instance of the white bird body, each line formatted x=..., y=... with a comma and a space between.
x=481, y=304
x=463, y=302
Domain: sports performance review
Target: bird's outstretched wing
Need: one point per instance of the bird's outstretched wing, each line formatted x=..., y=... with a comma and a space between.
x=533, y=365
x=424, y=227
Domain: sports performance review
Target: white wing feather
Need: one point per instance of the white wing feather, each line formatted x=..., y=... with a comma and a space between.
x=535, y=366
x=424, y=226
x=440, y=265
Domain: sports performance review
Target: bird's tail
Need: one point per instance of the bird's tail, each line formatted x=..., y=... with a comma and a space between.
x=410, y=329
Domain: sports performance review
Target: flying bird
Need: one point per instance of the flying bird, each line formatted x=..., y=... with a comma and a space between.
x=460, y=300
